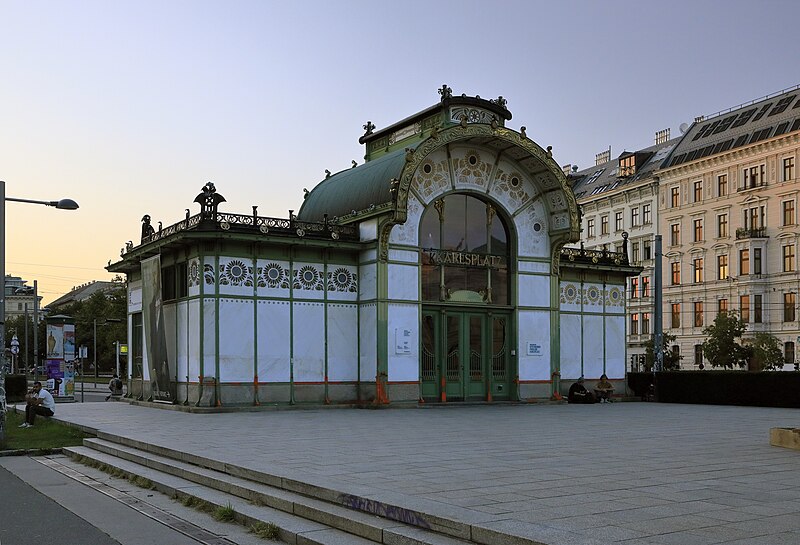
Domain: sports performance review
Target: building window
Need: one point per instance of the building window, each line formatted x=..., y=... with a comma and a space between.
x=722, y=305
x=698, y=269
x=604, y=225
x=635, y=252
x=722, y=185
x=618, y=226
x=698, y=191
x=756, y=260
x=645, y=286
x=645, y=323
x=676, y=315
x=788, y=169
x=675, y=234
x=744, y=308
x=647, y=250
x=754, y=177
x=788, y=213
x=647, y=218
x=788, y=258
x=757, y=309
x=676, y=273
x=627, y=166
x=722, y=267
x=788, y=307
x=674, y=197
x=634, y=324
x=722, y=225
x=698, y=355
x=744, y=261
x=788, y=352
x=698, y=314
x=698, y=230
x=590, y=228
x=19, y=306
x=634, y=216
x=634, y=287
x=755, y=217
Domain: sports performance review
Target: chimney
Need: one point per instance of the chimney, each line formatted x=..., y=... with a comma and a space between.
x=603, y=157
x=662, y=136
x=566, y=169
x=699, y=118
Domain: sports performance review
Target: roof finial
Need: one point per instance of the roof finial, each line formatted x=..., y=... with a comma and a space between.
x=522, y=132
x=369, y=127
x=446, y=92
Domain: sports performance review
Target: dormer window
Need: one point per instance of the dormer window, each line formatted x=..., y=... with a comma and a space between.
x=627, y=166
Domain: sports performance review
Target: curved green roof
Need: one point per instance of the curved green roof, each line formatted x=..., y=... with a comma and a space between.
x=354, y=189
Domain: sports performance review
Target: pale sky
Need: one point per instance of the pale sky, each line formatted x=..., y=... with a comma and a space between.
x=130, y=107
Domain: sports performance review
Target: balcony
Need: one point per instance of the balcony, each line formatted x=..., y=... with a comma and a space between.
x=760, y=232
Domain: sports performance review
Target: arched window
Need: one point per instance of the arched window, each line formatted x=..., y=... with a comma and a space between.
x=465, y=254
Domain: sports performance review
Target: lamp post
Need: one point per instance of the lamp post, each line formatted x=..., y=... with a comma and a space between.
x=63, y=204
x=94, y=355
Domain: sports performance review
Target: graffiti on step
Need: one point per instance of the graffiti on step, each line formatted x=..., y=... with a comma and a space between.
x=382, y=510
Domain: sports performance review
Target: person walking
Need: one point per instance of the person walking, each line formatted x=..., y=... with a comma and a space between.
x=40, y=402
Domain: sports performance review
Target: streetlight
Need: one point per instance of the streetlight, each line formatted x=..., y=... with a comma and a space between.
x=63, y=204
x=104, y=322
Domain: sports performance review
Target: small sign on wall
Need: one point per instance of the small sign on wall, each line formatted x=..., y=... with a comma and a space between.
x=402, y=340
x=533, y=348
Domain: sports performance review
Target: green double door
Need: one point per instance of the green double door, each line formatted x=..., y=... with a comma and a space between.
x=465, y=355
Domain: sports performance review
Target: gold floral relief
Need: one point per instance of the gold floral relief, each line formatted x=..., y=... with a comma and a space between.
x=471, y=169
x=431, y=179
x=511, y=183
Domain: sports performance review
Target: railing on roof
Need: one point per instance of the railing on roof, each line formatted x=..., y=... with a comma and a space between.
x=748, y=103
x=582, y=255
x=252, y=223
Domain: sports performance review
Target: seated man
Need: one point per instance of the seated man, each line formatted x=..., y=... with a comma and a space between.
x=40, y=402
x=115, y=385
x=579, y=394
x=603, y=389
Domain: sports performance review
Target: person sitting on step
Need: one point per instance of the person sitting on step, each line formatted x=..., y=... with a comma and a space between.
x=579, y=394
x=40, y=402
x=603, y=389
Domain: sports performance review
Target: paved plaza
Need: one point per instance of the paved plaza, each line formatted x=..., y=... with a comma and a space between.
x=632, y=473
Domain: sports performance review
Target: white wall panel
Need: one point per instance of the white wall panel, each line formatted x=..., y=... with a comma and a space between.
x=407, y=256
x=534, y=266
x=367, y=281
x=533, y=241
x=273, y=278
x=429, y=185
x=171, y=334
x=510, y=187
x=570, y=296
x=615, y=299
x=403, y=282
x=534, y=291
x=195, y=274
x=408, y=233
x=403, y=366
x=236, y=276
x=342, y=282
x=593, y=346
x=209, y=338
x=593, y=297
x=194, y=340
x=236, y=330
x=274, y=340
x=615, y=346
x=308, y=342
x=571, y=346
x=369, y=341
x=308, y=280
x=342, y=342
x=534, y=327
x=182, y=337
x=368, y=255
x=368, y=230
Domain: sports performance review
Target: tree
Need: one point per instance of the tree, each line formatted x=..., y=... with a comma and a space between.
x=765, y=351
x=721, y=348
x=672, y=359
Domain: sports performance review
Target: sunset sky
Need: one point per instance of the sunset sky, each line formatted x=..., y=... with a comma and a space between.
x=130, y=107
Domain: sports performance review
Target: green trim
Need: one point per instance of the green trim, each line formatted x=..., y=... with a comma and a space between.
x=202, y=315
x=583, y=315
x=555, y=326
x=217, y=392
x=325, y=321
x=291, y=326
x=256, y=379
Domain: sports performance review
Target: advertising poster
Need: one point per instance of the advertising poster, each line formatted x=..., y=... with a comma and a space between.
x=55, y=341
x=69, y=342
x=55, y=372
x=161, y=372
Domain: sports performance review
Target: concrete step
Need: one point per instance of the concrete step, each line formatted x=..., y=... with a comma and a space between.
x=371, y=527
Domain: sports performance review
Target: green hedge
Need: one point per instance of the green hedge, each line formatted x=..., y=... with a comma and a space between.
x=16, y=388
x=762, y=389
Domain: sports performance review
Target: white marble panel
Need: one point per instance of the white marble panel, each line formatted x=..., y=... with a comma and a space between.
x=182, y=345
x=342, y=282
x=308, y=338
x=195, y=274
x=408, y=233
x=593, y=346
x=194, y=339
x=236, y=276
x=534, y=266
x=209, y=338
x=209, y=275
x=615, y=346
x=368, y=230
x=367, y=288
x=273, y=278
x=308, y=280
x=472, y=167
x=236, y=335
x=274, y=341
x=534, y=328
x=403, y=366
x=342, y=342
x=403, y=282
x=135, y=296
x=406, y=256
x=170, y=332
x=368, y=332
x=511, y=187
x=615, y=299
x=593, y=297
x=432, y=177
x=532, y=231
x=368, y=255
x=570, y=295
x=534, y=290
x=571, y=346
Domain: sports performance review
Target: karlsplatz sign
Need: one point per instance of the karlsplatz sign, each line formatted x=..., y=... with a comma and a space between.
x=447, y=257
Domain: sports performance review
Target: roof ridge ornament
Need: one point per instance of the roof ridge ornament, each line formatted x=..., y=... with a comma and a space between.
x=369, y=128
x=500, y=101
x=446, y=92
x=209, y=200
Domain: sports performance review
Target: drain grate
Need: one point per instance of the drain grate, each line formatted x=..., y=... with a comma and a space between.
x=179, y=525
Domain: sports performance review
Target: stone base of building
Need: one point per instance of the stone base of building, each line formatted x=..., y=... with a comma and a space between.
x=785, y=437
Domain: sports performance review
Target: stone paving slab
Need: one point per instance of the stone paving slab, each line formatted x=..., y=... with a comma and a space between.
x=640, y=472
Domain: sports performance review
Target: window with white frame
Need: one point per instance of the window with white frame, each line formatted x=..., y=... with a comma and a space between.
x=788, y=258
x=722, y=225
x=698, y=191
x=618, y=222
x=647, y=217
x=635, y=216
x=590, y=228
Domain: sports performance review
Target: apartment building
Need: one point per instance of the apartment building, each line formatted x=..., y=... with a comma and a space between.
x=727, y=210
x=620, y=196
